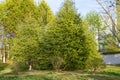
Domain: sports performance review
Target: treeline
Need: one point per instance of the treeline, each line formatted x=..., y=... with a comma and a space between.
x=38, y=39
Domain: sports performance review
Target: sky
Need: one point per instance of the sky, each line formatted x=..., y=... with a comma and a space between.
x=82, y=6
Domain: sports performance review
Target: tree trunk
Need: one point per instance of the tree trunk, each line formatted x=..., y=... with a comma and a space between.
x=4, y=56
x=30, y=67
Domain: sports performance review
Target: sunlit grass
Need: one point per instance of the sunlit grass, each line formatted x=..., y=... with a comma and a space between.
x=109, y=73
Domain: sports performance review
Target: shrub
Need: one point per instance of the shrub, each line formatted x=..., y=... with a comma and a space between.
x=3, y=65
x=57, y=62
x=43, y=65
x=19, y=66
x=95, y=63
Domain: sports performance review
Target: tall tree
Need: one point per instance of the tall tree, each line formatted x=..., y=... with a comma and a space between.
x=2, y=12
x=93, y=20
x=45, y=14
x=16, y=11
x=13, y=13
x=25, y=47
x=118, y=11
x=95, y=25
x=2, y=32
x=69, y=38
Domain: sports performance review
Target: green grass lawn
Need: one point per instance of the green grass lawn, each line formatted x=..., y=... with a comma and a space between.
x=110, y=73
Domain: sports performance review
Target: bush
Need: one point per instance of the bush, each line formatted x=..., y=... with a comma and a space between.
x=95, y=63
x=19, y=66
x=3, y=65
x=57, y=62
x=43, y=65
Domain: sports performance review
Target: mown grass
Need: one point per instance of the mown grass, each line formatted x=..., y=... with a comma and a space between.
x=109, y=73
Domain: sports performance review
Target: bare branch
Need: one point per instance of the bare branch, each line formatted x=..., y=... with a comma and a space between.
x=115, y=28
x=107, y=12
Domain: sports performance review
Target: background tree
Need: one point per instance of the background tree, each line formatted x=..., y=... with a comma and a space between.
x=2, y=12
x=3, y=40
x=45, y=14
x=94, y=21
x=96, y=26
x=109, y=18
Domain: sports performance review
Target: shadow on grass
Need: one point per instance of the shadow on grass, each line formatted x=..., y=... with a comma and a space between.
x=109, y=74
x=9, y=73
x=29, y=77
x=104, y=75
x=98, y=77
x=101, y=75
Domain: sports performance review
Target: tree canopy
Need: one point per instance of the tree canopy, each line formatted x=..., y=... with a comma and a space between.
x=43, y=40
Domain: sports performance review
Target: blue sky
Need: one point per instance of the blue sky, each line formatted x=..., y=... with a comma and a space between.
x=83, y=6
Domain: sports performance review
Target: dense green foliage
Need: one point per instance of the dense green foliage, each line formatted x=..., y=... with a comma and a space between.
x=2, y=12
x=15, y=12
x=45, y=14
x=44, y=41
x=70, y=39
x=25, y=46
x=93, y=20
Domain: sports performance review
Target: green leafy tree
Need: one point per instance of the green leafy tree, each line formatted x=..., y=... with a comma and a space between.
x=2, y=12
x=2, y=32
x=16, y=11
x=94, y=19
x=25, y=47
x=69, y=39
x=13, y=13
x=106, y=40
x=45, y=15
x=109, y=43
x=96, y=27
